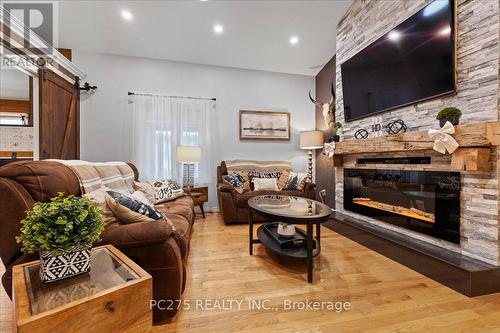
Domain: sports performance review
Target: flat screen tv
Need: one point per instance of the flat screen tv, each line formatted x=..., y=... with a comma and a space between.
x=412, y=62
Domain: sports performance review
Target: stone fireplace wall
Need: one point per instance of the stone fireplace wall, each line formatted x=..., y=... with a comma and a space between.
x=478, y=57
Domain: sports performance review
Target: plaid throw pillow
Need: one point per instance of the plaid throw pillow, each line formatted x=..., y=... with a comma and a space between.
x=283, y=179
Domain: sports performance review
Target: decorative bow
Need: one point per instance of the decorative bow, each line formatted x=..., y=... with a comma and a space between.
x=443, y=141
x=329, y=149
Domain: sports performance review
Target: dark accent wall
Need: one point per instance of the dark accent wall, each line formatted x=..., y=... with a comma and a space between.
x=325, y=177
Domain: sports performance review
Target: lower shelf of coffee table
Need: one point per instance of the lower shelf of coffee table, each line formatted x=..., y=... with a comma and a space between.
x=298, y=252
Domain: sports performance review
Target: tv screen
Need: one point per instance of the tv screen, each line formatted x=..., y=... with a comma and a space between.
x=412, y=62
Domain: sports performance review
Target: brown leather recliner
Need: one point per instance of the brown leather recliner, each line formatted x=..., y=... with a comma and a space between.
x=234, y=206
x=155, y=247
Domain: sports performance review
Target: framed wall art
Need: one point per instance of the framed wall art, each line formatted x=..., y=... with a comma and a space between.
x=264, y=125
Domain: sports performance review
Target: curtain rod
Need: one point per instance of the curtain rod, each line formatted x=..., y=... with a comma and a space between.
x=188, y=97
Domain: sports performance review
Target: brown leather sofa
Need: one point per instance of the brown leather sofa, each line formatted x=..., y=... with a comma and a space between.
x=161, y=251
x=234, y=206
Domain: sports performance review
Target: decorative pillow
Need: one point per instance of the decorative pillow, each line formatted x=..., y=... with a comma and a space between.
x=260, y=174
x=140, y=196
x=147, y=189
x=130, y=210
x=239, y=180
x=166, y=190
x=296, y=181
x=283, y=179
x=99, y=197
x=302, y=184
x=261, y=184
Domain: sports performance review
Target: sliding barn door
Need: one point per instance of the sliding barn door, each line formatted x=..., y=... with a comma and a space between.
x=59, y=117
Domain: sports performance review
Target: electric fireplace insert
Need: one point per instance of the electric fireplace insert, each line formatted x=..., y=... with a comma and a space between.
x=424, y=201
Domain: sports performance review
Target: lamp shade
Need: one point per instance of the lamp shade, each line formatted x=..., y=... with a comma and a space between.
x=311, y=140
x=188, y=154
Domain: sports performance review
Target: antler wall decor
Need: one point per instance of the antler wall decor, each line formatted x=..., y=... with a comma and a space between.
x=328, y=108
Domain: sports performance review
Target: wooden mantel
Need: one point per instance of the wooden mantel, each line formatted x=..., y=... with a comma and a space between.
x=474, y=154
x=484, y=134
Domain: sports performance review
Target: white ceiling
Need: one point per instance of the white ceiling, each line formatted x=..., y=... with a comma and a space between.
x=256, y=33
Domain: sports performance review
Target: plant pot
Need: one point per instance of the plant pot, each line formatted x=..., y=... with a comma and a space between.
x=454, y=120
x=336, y=138
x=286, y=230
x=58, y=267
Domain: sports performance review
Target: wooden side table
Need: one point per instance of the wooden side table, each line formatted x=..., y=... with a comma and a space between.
x=199, y=194
x=113, y=297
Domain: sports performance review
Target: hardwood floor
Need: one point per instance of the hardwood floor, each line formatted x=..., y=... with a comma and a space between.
x=384, y=296
x=5, y=308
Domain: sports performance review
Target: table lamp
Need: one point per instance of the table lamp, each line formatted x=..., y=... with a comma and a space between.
x=311, y=140
x=188, y=155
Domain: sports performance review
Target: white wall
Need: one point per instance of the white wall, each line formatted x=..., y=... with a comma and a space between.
x=14, y=84
x=105, y=129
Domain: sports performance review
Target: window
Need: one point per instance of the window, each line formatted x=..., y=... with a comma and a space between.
x=191, y=138
x=12, y=119
x=163, y=152
x=160, y=124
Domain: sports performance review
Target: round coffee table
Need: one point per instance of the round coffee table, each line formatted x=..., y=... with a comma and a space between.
x=291, y=210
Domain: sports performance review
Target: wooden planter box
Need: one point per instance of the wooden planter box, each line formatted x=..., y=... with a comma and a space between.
x=113, y=297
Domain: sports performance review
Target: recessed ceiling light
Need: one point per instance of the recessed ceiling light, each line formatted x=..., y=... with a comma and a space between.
x=294, y=40
x=218, y=29
x=394, y=35
x=127, y=16
x=203, y=0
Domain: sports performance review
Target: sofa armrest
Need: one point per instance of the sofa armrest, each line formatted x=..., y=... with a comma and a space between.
x=227, y=195
x=136, y=234
x=223, y=187
x=309, y=186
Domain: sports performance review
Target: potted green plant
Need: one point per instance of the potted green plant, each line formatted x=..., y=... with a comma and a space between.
x=335, y=129
x=451, y=114
x=62, y=230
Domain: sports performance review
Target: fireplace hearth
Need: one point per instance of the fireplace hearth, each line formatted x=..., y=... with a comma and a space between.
x=424, y=201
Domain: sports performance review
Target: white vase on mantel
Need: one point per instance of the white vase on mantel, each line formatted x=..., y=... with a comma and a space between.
x=286, y=230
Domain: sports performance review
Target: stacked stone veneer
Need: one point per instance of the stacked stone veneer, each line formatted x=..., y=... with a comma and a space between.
x=477, y=95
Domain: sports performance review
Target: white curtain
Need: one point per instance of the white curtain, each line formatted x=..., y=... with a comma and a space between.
x=160, y=124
